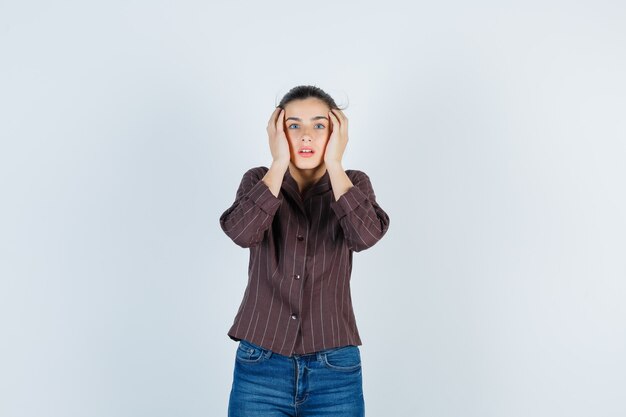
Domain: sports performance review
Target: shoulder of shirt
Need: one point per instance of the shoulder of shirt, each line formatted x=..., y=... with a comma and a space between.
x=257, y=172
x=356, y=175
x=260, y=171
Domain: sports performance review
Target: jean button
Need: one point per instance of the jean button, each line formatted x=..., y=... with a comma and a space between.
x=293, y=316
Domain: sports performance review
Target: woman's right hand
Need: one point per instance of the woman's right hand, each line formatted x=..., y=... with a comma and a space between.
x=279, y=145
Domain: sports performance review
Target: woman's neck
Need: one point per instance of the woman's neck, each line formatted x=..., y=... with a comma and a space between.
x=305, y=178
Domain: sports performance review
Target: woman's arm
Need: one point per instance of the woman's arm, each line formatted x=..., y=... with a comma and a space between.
x=339, y=180
x=363, y=221
x=275, y=175
x=256, y=202
x=253, y=210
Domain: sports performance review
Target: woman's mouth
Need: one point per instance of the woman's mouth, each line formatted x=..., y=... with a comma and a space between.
x=306, y=152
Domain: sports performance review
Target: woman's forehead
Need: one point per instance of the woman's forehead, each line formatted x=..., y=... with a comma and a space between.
x=306, y=108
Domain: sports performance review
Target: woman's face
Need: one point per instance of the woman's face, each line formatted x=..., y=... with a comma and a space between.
x=307, y=128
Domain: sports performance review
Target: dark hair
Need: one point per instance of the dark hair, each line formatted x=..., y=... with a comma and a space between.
x=302, y=92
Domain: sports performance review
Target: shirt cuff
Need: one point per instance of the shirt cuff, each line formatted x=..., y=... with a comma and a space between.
x=261, y=196
x=348, y=201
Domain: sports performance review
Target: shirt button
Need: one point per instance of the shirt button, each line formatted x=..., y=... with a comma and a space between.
x=296, y=276
x=293, y=316
x=300, y=238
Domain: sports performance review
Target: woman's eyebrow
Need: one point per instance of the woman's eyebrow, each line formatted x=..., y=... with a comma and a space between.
x=312, y=118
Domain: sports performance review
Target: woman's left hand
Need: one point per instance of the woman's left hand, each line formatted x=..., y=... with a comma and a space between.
x=338, y=138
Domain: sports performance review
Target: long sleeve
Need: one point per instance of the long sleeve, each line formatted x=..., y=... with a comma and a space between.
x=363, y=221
x=252, y=212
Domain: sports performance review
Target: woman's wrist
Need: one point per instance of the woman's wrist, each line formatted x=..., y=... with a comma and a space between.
x=333, y=165
x=280, y=165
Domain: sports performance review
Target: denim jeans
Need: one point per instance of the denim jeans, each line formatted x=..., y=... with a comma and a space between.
x=324, y=383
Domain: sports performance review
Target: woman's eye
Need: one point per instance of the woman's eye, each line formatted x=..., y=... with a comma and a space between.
x=293, y=124
x=322, y=126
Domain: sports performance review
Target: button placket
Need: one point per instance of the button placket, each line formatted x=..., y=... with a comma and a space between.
x=301, y=250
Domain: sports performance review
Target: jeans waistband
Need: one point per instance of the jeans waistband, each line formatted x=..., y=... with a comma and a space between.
x=269, y=352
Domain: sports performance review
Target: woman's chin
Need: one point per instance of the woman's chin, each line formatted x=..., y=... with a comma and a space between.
x=308, y=164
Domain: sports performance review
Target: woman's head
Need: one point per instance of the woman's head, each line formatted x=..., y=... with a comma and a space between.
x=302, y=92
x=307, y=125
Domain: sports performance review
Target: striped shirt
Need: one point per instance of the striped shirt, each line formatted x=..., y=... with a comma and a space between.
x=297, y=299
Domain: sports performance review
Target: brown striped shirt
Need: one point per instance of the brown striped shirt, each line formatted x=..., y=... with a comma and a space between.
x=297, y=299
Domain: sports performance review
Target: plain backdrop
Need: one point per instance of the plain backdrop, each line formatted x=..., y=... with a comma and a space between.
x=494, y=134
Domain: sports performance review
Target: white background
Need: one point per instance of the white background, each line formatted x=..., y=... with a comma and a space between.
x=495, y=138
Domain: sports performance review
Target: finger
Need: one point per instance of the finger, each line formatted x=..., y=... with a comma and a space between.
x=343, y=121
x=280, y=112
x=272, y=121
x=280, y=121
x=334, y=120
x=341, y=116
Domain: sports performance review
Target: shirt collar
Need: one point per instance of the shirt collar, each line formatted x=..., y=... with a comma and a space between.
x=322, y=185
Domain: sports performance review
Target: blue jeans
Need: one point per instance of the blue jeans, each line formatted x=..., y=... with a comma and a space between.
x=324, y=383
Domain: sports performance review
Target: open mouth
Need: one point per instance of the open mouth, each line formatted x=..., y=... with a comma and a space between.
x=306, y=152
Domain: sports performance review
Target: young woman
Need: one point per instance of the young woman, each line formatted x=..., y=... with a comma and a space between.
x=302, y=219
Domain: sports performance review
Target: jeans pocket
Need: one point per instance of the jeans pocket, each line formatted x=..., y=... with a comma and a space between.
x=347, y=358
x=250, y=353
